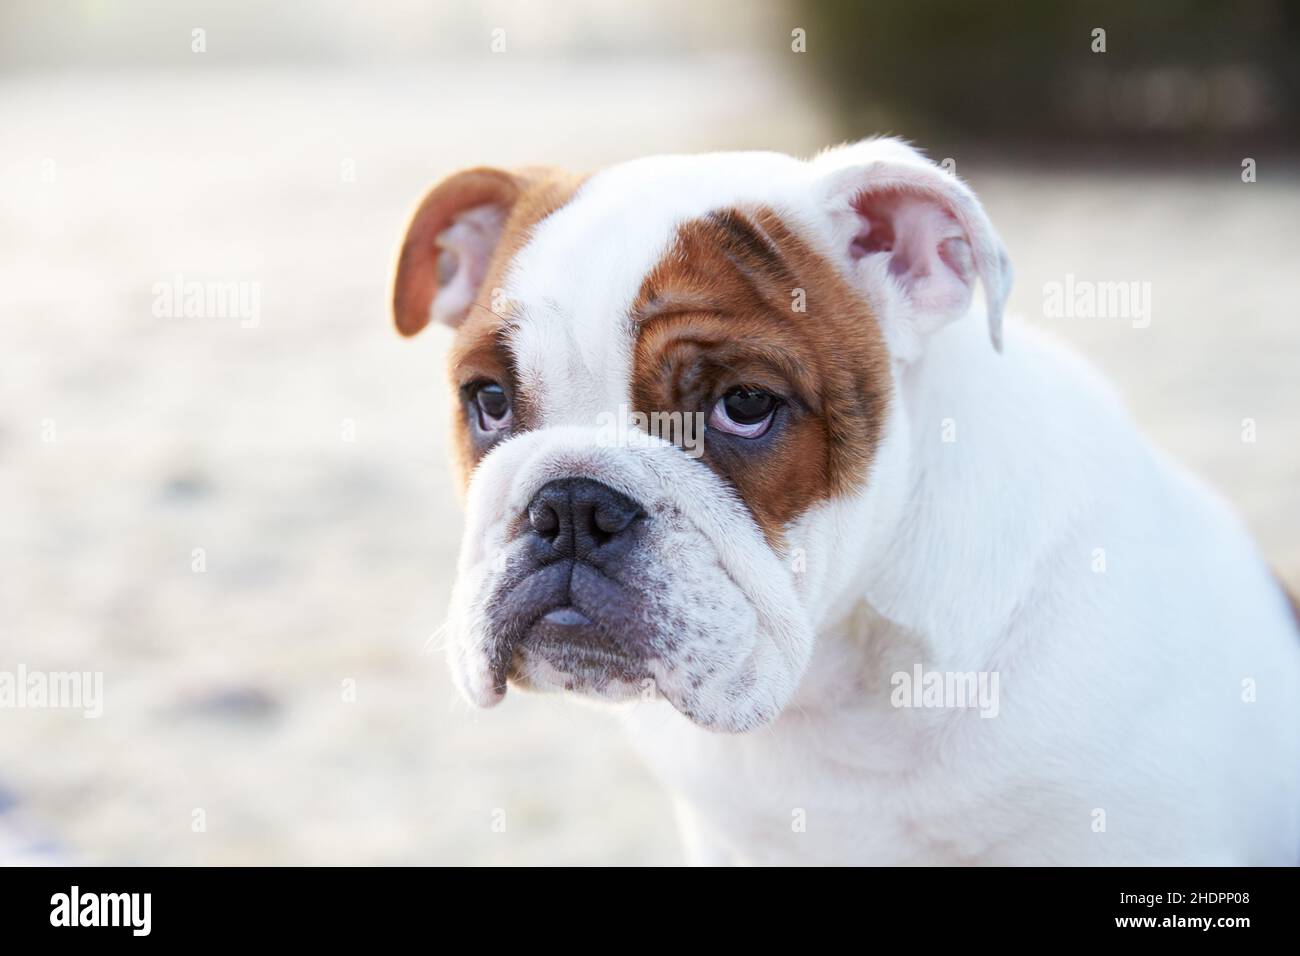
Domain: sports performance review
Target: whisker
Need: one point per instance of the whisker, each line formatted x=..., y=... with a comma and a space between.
x=435, y=641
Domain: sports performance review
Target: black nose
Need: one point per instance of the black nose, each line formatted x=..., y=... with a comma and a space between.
x=581, y=518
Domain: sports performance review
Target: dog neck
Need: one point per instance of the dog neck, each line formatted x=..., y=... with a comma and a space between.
x=932, y=567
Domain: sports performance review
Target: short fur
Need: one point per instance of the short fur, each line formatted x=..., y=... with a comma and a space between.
x=930, y=502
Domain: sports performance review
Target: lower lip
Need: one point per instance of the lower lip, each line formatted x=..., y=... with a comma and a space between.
x=566, y=617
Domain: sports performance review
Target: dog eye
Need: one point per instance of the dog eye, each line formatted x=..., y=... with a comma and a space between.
x=744, y=411
x=493, y=406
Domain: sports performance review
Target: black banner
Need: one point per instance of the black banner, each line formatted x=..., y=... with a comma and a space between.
x=336, y=906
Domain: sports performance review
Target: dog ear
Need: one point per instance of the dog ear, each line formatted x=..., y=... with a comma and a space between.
x=448, y=247
x=914, y=238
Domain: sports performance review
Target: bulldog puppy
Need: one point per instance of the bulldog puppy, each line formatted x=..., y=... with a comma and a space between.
x=916, y=597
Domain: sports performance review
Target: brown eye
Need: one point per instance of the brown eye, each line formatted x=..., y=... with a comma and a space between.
x=493, y=406
x=744, y=412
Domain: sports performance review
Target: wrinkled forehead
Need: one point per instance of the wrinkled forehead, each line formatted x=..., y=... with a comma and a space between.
x=572, y=287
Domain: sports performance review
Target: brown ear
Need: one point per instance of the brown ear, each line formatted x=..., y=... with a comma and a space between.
x=448, y=246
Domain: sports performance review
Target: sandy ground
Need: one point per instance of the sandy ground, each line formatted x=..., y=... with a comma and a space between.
x=305, y=456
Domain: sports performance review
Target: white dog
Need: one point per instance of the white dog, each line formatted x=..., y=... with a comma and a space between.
x=918, y=598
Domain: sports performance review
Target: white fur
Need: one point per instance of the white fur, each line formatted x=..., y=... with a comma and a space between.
x=1121, y=690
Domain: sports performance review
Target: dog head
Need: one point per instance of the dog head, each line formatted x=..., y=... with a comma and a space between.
x=674, y=382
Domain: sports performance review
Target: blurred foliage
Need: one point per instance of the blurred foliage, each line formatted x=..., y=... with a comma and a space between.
x=1026, y=70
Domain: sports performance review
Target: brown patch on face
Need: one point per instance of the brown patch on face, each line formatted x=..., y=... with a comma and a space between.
x=478, y=352
x=719, y=312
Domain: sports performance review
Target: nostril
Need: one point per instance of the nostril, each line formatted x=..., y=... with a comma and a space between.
x=543, y=519
x=604, y=527
x=610, y=521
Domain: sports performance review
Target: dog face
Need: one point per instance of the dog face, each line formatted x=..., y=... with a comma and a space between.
x=674, y=381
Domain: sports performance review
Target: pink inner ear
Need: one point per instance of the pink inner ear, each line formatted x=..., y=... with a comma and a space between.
x=929, y=253
x=464, y=249
x=876, y=235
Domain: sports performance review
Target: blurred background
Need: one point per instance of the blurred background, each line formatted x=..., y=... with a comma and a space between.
x=249, y=527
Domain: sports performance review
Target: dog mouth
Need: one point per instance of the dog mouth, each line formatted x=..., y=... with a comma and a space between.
x=569, y=626
x=626, y=633
x=565, y=618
